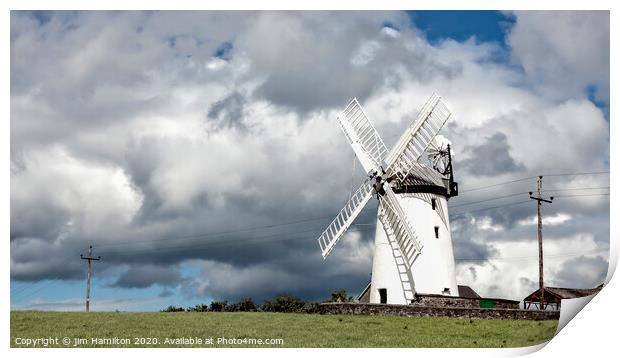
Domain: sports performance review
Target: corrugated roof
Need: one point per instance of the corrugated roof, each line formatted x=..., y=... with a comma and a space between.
x=563, y=293
x=572, y=292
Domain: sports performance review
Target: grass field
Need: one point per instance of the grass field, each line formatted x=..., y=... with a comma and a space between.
x=151, y=329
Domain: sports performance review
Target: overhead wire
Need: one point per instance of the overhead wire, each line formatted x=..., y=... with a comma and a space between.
x=31, y=293
x=288, y=235
x=273, y=236
x=212, y=234
x=532, y=177
x=522, y=193
x=529, y=257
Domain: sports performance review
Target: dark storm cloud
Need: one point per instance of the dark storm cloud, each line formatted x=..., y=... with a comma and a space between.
x=582, y=272
x=34, y=259
x=45, y=221
x=146, y=276
x=348, y=267
x=469, y=243
x=492, y=157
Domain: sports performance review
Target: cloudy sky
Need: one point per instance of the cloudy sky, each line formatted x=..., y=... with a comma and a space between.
x=199, y=153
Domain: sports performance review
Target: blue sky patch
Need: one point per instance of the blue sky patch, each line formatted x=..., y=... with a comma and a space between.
x=223, y=51
x=460, y=25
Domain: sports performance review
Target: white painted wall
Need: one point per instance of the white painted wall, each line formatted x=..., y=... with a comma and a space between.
x=434, y=268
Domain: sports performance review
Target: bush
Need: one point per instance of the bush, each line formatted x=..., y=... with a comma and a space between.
x=218, y=306
x=199, y=308
x=283, y=303
x=173, y=309
x=246, y=305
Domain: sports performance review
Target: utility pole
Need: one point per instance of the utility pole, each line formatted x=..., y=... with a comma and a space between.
x=540, y=200
x=90, y=259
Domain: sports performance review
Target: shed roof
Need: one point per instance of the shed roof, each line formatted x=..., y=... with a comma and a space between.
x=563, y=293
x=467, y=292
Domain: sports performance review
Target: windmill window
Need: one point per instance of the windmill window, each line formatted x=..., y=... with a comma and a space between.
x=434, y=203
x=436, y=232
x=383, y=295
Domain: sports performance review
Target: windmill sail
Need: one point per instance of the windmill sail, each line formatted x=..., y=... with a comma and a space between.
x=345, y=218
x=395, y=223
x=362, y=136
x=403, y=159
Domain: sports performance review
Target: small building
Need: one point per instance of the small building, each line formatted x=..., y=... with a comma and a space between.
x=553, y=296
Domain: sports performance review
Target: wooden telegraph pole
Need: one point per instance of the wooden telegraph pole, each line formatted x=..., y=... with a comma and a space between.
x=540, y=200
x=90, y=259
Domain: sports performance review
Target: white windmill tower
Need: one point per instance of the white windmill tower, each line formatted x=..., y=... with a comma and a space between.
x=413, y=243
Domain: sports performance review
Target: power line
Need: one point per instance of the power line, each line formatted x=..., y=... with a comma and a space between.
x=571, y=196
x=17, y=290
x=571, y=189
x=576, y=174
x=281, y=236
x=202, y=236
x=522, y=202
x=533, y=256
x=482, y=201
x=255, y=228
x=211, y=234
x=532, y=177
x=493, y=207
x=210, y=245
x=43, y=285
x=522, y=193
x=494, y=185
x=221, y=233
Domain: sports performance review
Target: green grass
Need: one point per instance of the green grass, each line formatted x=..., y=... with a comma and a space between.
x=296, y=330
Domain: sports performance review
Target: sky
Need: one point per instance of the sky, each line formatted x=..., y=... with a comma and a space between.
x=198, y=152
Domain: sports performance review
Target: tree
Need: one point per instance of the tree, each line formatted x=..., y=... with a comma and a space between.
x=340, y=296
x=283, y=303
x=199, y=308
x=246, y=305
x=173, y=309
x=218, y=306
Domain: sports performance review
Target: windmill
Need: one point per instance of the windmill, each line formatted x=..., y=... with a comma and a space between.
x=413, y=244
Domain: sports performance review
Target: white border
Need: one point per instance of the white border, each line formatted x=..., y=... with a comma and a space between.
x=592, y=331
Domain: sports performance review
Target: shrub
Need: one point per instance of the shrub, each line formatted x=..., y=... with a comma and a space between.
x=218, y=306
x=199, y=308
x=283, y=303
x=246, y=305
x=173, y=309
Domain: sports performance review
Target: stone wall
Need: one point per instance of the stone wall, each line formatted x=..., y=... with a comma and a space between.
x=426, y=311
x=462, y=302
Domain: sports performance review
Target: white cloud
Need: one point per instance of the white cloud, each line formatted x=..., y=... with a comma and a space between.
x=562, y=52
x=514, y=272
x=553, y=220
x=365, y=53
x=390, y=32
x=216, y=64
